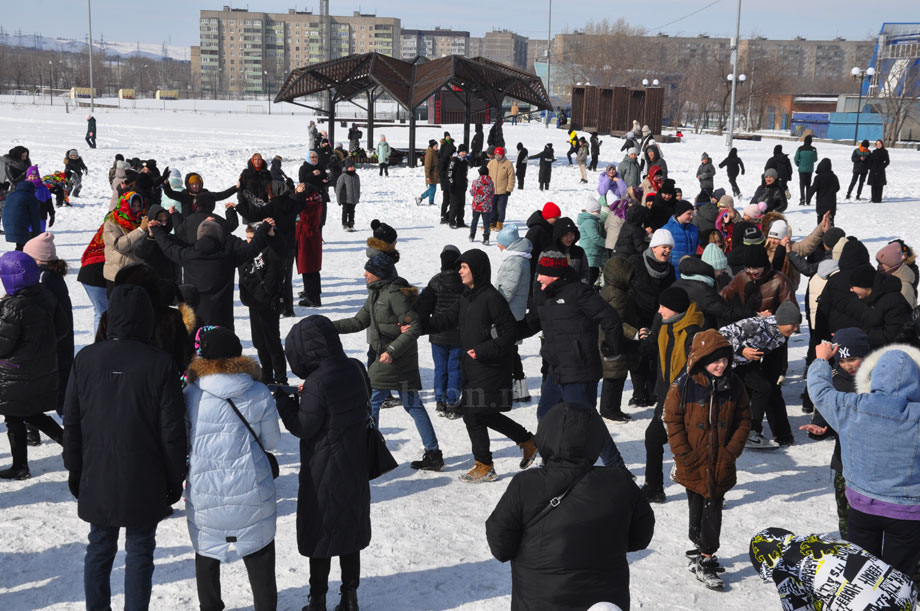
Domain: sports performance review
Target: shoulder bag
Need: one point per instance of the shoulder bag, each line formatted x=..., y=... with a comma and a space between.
x=379, y=459
x=272, y=461
x=556, y=500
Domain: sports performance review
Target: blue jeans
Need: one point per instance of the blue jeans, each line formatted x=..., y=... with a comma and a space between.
x=586, y=393
x=430, y=193
x=412, y=404
x=97, y=566
x=486, y=220
x=446, y=372
x=499, y=204
x=100, y=300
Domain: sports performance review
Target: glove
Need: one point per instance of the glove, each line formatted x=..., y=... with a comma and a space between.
x=174, y=494
x=165, y=174
x=73, y=482
x=51, y=221
x=284, y=402
x=144, y=222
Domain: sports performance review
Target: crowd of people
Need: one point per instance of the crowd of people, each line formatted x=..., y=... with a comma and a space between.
x=694, y=302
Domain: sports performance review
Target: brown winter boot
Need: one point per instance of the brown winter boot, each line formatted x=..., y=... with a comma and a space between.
x=499, y=226
x=480, y=473
x=529, y=448
x=491, y=227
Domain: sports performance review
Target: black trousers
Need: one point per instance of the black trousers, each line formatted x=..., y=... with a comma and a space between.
x=520, y=179
x=445, y=195
x=805, y=186
x=312, y=286
x=705, y=522
x=517, y=367
x=266, y=337
x=642, y=373
x=319, y=573
x=348, y=215
x=897, y=542
x=766, y=396
x=593, y=274
x=457, y=205
x=571, y=151
x=384, y=169
x=877, y=193
x=288, y=280
x=91, y=141
x=732, y=180
x=612, y=396
x=861, y=178
x=16, y=432
x=593, y=165
x=478, y=425
x=260, y=566
x=655, y=439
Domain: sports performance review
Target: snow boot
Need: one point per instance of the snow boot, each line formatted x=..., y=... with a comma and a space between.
x=432, y=460
x=16, y=432
x=654, y=495
x=529, y=448
x=610, y=408
x=316, y=602
x=479, y=474
x=498, y=226
x=520, y=392
x=440, y=409
x=390, y=402
x=756, y=441
x=453, y=411
x=707, y=570
x=349, y=601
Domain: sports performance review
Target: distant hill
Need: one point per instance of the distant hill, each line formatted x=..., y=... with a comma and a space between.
x=151, y=51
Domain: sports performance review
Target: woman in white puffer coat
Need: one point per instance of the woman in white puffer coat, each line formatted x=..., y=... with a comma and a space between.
x=230, y=490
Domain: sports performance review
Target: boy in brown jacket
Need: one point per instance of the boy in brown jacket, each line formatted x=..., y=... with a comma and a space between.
x=708, y=417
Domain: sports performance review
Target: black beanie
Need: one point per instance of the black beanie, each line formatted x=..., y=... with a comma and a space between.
x=432, y=143
x=674, y=298
x=383, y=232
x=756, y=256
x=832, y=236
x=462, y=148
x=681, y=207
x=217, y=343
x=862, y=277
x=381, y=266
x=864, y=143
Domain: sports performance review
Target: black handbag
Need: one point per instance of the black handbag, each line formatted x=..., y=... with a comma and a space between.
x=379, y=459
x=272, y=461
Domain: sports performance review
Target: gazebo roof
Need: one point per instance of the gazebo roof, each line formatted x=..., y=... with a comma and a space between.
x=410, y=83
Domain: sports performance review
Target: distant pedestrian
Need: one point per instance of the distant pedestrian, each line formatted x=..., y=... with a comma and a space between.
x=383, y=155
x=91, y=131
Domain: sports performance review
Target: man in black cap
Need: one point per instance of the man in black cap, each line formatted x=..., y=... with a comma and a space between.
x=758, y=343
x=569, y=312
x=457, y=180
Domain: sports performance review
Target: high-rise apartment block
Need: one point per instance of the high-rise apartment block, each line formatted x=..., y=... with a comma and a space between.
x=433, y=43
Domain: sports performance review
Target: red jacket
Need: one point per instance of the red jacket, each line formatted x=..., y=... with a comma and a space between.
x=483, y=192
x=309, y=237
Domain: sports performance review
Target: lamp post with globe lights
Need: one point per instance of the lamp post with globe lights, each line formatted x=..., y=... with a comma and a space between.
x=731, y=114
x=858, y=75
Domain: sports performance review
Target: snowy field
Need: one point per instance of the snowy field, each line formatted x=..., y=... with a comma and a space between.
x=428, y=549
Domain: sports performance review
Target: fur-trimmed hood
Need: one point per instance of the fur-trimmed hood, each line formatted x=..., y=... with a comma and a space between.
x=200, y=368
x=376, y=246
x=189, y=318
x=893, y=370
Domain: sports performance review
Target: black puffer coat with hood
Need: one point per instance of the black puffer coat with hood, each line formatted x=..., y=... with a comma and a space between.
x=576, y=555
x=192, y=202
x=147, y=250
x=333, y=498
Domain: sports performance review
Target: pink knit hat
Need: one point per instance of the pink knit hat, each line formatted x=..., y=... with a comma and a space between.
x=890, y=256
x=41, y=248
x=755, y=211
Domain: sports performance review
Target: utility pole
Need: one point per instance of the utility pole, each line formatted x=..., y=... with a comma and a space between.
x=735, y=40
x=549, y=60
x=92, y=93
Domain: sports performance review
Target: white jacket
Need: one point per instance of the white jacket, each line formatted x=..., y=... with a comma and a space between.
x=229, y=490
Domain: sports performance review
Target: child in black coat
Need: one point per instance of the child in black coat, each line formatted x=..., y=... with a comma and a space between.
x=261, y=291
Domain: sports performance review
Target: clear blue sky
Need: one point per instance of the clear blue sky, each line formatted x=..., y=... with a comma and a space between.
x=176, y=21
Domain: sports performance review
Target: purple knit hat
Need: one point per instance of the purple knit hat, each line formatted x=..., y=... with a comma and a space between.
x=18, y=271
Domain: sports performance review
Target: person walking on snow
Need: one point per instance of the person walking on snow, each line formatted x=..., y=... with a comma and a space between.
x=733, y=165
x=383, y=155
x=501, y=170
x=91, y=131
x=806, y=156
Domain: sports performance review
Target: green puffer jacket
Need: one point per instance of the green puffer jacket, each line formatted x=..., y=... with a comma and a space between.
x=593, y=238
x=389, y=304
x=618, y=275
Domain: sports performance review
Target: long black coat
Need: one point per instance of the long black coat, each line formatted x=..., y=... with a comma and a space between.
x=716, y=311
x=445, y=153
x=780, y=162
x=834, y=304
x=645, y=288
x=56, y=285
x=261, y=281
x=333, y=499
x=256, y=181
x=31, y=323
x=825, y=187
x=569, y=313
x=878, y=161
x=488, y=327
x=211, y=265
x=547, y=156
x=147, y=250
x=124, y=421
x=520, y=165
x=457, y=171
x=283, y=209
x=576, y=555
x=443, y=291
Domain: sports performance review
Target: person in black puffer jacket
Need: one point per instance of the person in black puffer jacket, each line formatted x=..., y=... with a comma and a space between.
x=833, y=311
x=186, y=227
x=697, y=278
x=540, y=233
x=652, y=273
x=733, y=166
x=330, y=418
x=825, y=188
x=31, y=322
x=520, y=166
x=881, y=309
x=443, y=291
x=147, y=250
x=772, y=192
x=576, y=555
x=633, y=236
x=210, y=264
x=780, y=162
x=256, y=178
x=195, y=196
x=261, y=290
x=565, y=236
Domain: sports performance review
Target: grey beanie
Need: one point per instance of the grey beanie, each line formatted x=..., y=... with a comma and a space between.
x=770, y=173
x=209, y=229
x=788, y=314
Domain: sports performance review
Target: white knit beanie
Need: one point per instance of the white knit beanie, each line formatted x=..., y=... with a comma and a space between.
x=593, y=204
x=662, y=237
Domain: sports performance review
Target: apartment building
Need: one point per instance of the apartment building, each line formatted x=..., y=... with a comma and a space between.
x=433, y=43
x=506, y=47
x=252, y=52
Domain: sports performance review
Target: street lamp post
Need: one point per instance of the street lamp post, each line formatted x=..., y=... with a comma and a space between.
x=549, y=60
x=858, y=75
x=734, y=80
x=92, y=93
x=731, y=121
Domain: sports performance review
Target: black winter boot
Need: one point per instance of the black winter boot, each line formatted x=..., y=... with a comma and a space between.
x=611, y=395
x=316, y=601
x=432, y=460
x=33, y=438
x=16, y=432
x=349, y=600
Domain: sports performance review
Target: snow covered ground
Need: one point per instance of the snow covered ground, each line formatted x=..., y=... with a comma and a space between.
x=429, y=549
